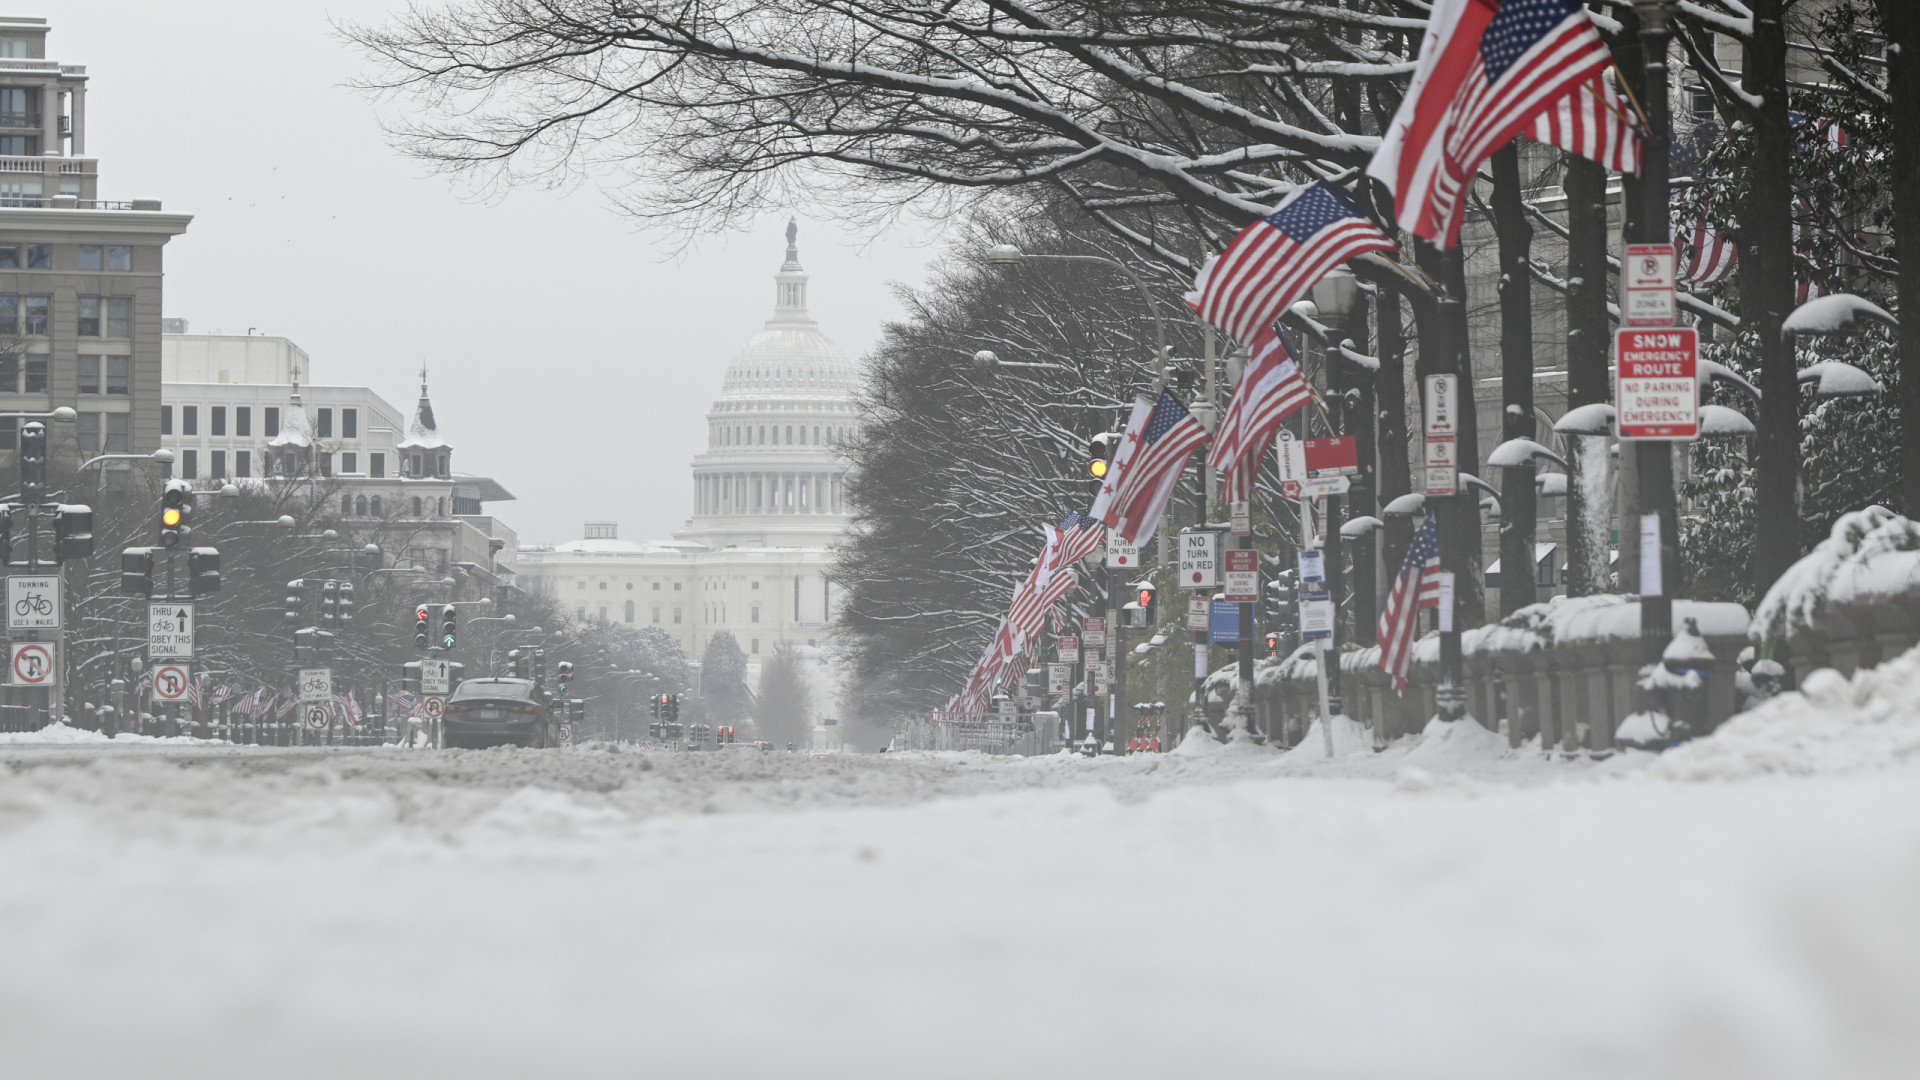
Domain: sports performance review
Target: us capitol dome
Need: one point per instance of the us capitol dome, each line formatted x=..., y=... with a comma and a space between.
x=769, y=501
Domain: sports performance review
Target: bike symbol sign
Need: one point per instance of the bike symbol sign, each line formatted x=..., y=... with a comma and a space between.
x=170, y=682
x=316, y=716
x=170, y=631
x=33, y=664
x=33, y=602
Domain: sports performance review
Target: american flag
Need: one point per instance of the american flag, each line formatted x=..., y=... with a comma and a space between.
x=402, y=699
x=349, y=707
x=249, y=704
x=1710, y=255
x=1080, y=536
x=1418, y=586
x=1276, y=259
x=195, y=688
x=1486, y=70
x=1593, y=122
x=1270, y=391
x=1160, y=437
x=222, y=693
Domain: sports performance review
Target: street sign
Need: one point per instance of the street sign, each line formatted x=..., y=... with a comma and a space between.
x=1197, y=612
x=1441, y=411
x=1313, y=565
x=33, y=602
x=170, y=682
x=1656, y=385
x=1223, y=623
x=1102, y=674
x=1093, y=633
x=1242, y=579
x=433, y=707
x=436, y=676
x=317, y=717
x=1324, y=485
x=1444, y=587
x=1316, y=616
x=1240, y=514
x=1199, y=559
x=1646, y=276
x=1338, y=455
x=1059, y=677
x=170, y=631
x=1068, y=649
x=1291, y=456
x=33, y=664
x=316, y=684
x=1120, y=553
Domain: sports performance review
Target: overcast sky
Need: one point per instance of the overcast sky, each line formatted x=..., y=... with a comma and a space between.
x=568, y=358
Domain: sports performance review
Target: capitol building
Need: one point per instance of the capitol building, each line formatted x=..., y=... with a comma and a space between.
x=769, y=501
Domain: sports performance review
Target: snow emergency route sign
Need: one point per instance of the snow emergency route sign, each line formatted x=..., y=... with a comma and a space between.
x=1657, y=384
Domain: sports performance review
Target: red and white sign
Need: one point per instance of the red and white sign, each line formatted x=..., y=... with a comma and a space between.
x=1199, y=613
x=1441, y=413
x=170, y=682
x=1069, y=649
x=1442, y=465
x=33, y=664
x=433, y=707
x=1093, y=632
x=1656, y=385
x=1647, y=277
x=1335, y=456
x=1242, y=578
x=1121, y=553
x=1291, y=456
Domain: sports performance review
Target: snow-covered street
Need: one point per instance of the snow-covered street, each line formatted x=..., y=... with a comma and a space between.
x=1434, y=911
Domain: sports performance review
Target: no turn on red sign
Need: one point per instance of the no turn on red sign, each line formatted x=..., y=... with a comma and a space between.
x=1657, y=389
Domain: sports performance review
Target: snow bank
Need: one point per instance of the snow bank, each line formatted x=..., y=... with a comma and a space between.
x=1350, y=737
x=63, y=733
x=1871, y=554
x=1454, y=746
x=1832, y=725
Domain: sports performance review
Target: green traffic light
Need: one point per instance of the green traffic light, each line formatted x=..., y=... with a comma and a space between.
x=447, y=642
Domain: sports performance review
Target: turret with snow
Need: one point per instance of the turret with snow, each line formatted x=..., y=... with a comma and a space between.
x=425, y=451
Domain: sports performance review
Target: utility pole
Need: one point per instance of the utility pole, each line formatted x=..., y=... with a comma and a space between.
x=1653, y=459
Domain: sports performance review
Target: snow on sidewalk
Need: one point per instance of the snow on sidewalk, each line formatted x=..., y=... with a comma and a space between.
x=170, y=911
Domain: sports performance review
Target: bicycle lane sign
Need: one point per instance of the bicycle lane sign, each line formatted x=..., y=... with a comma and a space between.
x=33, y=602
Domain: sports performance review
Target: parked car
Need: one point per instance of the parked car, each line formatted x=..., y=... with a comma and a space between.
x=496, y=712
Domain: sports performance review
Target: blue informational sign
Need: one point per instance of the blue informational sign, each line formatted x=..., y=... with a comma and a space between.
x=1223, y=623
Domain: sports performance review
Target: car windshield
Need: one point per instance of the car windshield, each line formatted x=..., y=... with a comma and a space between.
x=516, y=689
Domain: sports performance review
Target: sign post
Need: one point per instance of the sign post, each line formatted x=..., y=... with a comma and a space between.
x=1442, y=414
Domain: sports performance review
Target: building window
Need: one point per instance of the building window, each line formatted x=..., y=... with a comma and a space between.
x=416, y=509
x=119, y=316
x=629, y=611
x=656, y=586
x=349, y=423
x=39, y=256
x=117, y=440
x=119, y=257
x=87, y=374
x=756, y=613
x=189, y=420
x=326, y=463
x=39, y=310
x=676, y=586
x=242, y=420
x=86, y=432
x=119, y=374
x=376, y=506
x=629, y=586
x=324, y=429
x=93, y=257
x=360, y=506
x=216, y=419
x=9, y=433
x=270, y=421
x=89, y=316
x=376, y=465
x=440, y=507
x=443, y=465
x=349, y=463
x=217, y=464
x=242, y=463
x=656, y=614
x=756, y=646
x=9, y=314
x=603, y=586
x=676, y=614
x=166, y=419
x=34, y=379
x=189, y=465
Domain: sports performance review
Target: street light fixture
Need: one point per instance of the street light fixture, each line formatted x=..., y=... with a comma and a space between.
x=988, y=360
x=1009, y=255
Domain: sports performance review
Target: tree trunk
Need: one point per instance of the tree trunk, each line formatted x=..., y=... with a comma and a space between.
x=1391, y=407
x=1516, y=380
x=1766, y=291
x=1900, y=20
x=1360, y=500
x=1460, y=527
x=1589, y=381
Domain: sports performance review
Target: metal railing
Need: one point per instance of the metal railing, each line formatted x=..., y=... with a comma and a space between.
x=988, y=733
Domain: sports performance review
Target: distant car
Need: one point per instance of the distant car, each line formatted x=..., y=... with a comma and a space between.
x=496, y=712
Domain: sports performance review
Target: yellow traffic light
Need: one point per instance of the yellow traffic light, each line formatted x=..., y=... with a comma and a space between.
x=1097, y=467
x=170, y=517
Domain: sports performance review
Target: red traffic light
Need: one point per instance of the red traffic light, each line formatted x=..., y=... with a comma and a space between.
x=420, y=613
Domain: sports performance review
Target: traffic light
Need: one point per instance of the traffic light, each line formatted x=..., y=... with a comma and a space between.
x=673, y=708
x=203, y=571
x=136, y=571
x=343, y=616
x=1100, y=450
x=296, y=601
x=6, y=534
x=516, y=662
x=410, y=677
x=33, y=463
x=656, y=703
x=539, y=666
x=1145, y=589
x=72, y=532
x=421, y=625
x=449, y=615
x=563, y=673
x=329, y=603
x=1273, y=644
x=312, y=647
x=175, y=508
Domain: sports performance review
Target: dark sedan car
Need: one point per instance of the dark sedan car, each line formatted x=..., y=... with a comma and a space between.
x=496, y=712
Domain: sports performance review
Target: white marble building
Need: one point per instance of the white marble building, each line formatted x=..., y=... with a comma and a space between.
x=770, y=498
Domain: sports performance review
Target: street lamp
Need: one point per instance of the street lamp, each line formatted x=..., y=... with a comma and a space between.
x=988, y=360
x=1009, y=255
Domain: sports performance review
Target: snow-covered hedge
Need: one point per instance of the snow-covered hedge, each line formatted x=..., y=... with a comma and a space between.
x=1872, y=555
